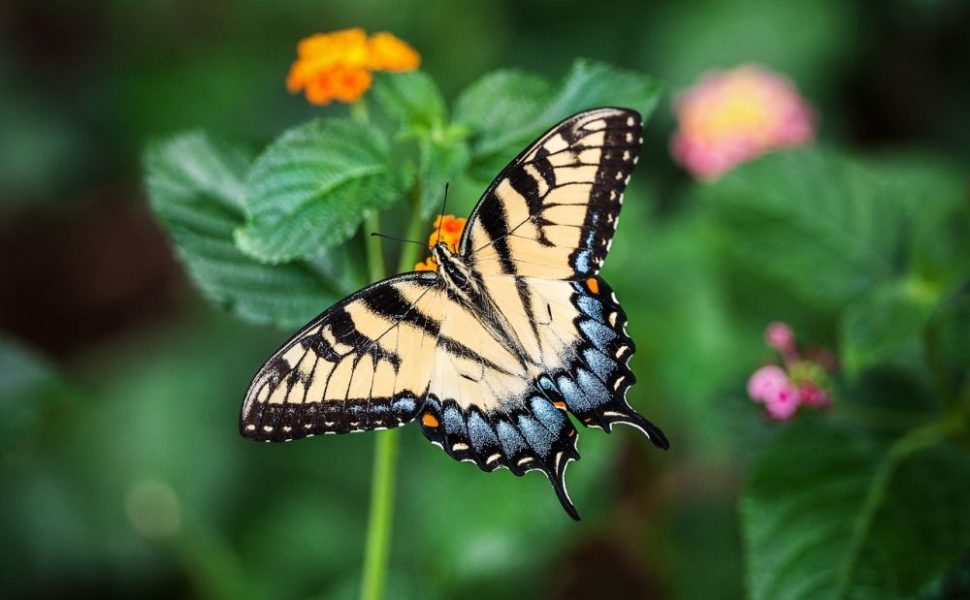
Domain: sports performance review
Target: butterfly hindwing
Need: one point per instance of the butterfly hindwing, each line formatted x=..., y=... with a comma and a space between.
x=510, y=410
x=552, y=212
x=363, y=364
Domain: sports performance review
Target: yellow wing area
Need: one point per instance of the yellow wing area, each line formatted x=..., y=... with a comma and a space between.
x=552, y=212
x=365, y=363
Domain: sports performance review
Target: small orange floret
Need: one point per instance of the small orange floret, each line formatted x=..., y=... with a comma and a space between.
x=387, y=52
x=338, y=65
x=593, y=285
x=450, y=228
x=428, y=265
x=429, y=420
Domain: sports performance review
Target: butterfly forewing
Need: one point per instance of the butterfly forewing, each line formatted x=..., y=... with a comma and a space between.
x=363, y=364
x=552, y=212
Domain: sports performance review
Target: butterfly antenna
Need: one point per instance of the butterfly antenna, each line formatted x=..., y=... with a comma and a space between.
x=441, y=215
x=396, y=239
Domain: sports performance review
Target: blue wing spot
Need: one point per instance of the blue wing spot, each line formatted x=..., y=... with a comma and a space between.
x=480, y=434
x=547, y=414
x=589, y=306
x=405, y=405
x=599, y=363
x=583, y=264
x=596, y=332
x=538, y=436
x=592, y=388
x=454, y=424
x=575, y=398
x=511, y=441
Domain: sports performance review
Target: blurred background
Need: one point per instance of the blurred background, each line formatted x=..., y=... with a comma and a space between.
x=121, y=469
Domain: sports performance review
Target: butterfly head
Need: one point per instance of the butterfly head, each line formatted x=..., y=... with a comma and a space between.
x=451, y=268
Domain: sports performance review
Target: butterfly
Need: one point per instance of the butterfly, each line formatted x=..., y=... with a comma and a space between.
x=491, y=352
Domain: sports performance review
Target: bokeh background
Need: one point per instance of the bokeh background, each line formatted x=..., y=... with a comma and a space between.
x=122, y=473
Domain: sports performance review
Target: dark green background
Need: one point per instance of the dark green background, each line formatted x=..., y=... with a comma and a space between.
x=120, y=387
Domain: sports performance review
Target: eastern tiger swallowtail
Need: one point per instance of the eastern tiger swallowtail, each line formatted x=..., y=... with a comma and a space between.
x=491, y=351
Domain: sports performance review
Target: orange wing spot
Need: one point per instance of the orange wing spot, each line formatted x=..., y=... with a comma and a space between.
x=593, y=285
x=561, y=405
x=429, y=420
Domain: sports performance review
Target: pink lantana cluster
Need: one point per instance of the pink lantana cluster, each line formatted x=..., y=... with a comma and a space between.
x=733, y=116
x=799, y=382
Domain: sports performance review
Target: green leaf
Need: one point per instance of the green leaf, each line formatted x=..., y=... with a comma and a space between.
x=508, y=109
x=412, y=98
x=829, y=514
x=887, y=327
x=196, y=188
x=310, y=189
x=818, y=223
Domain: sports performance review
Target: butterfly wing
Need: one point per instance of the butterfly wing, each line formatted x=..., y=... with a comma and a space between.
x=365, y=363
x=505, y=404
x=552, y=212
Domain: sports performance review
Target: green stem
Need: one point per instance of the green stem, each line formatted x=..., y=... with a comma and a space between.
x=380, y=519
x=409, y=254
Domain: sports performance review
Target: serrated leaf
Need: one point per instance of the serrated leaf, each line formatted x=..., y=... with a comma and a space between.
x=310, y=189
x=829, y=514
x=412, y=98
x=817, y=222
x=503, y=126
x=886, y=327
x=500, y=104
x=195, y=185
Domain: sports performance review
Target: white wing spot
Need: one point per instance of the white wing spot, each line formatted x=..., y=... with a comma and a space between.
x=629, y=137
x=619, y=382
x=492, y=458
x=287, y=429
x=626, y=155
x=619, y=175
x=525, y=460
x=250, y=427
x=268, y=428
x=459, y=447
x=630, y=121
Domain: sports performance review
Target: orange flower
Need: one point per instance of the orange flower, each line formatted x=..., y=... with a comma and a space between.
x=389, y=53
x=338, y=65
x=450, y=228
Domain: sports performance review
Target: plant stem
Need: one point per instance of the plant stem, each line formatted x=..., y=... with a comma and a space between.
x=409, y=254
x=380, y=519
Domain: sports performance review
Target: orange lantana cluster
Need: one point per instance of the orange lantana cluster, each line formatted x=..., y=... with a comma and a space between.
x=338, y=65
x=447, y=229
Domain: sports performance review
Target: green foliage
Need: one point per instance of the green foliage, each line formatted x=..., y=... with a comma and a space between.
x=196, y=186
x=27, y=387
x=828, y=513
x=506, y=110
x=308, y=191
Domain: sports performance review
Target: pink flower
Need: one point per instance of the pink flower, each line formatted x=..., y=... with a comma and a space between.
x=783, y=402
x=733, y=116
x=780, y=337
x=812, y=395
x=766, y=381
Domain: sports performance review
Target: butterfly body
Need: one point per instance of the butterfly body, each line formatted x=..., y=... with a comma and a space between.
x=491, y=352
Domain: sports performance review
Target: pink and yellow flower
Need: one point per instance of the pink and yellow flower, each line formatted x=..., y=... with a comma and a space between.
x=733, y=116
